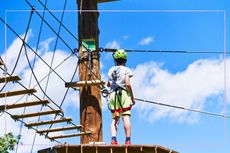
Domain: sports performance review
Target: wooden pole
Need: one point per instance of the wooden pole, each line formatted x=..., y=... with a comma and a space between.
x=90, y=96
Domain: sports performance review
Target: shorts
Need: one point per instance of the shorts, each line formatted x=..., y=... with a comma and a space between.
x=125, y=101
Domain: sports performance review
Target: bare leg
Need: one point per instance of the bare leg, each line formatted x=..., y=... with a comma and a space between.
x=127, y=125
x=114, y=126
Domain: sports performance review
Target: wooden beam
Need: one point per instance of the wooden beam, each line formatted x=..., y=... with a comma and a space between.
x=89, y=69
x=17, y=92
x=25, y=104
x=9, y=78
x=36, y=114
x=48, y=122
x=70, y=135
x=59, y=129
x=84, y=83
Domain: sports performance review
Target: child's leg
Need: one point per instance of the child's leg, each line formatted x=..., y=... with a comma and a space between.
x=127, y=125
x=114, y=126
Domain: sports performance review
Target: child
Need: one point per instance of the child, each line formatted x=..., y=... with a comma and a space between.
x=121, y=97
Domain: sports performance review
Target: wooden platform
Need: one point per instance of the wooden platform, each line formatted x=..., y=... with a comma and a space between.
x=107, y=149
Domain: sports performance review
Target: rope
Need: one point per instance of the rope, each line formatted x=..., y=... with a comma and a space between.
x=51, y=28
x=37, y=80
x=27, y=29
x=165, y=51
x=20, y=51
x=32, y=49
x=182, y=108
x=38, y=41
x=47, y=82
x=24, y=39
x=62, y=25
x=64, y=98
x=30, y=127
x=27, y=89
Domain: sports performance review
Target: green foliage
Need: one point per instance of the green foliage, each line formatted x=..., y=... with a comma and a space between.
x=7, y=142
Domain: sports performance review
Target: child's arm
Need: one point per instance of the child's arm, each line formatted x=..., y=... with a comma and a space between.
x=128, y=86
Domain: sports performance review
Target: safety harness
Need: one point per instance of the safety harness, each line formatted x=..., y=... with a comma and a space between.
x=118, y=95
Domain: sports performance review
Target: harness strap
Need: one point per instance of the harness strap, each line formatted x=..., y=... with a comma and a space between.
x=121, y=109
x=118, y=94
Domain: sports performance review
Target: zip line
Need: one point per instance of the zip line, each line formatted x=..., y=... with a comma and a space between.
x=164, y=51
x=182, y=108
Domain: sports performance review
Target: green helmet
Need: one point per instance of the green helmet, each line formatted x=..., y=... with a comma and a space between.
x=120, y=54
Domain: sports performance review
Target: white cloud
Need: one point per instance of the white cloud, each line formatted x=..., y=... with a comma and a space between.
x=147, y=40
x=12, y=53
x=190, y=89
x=113, y=44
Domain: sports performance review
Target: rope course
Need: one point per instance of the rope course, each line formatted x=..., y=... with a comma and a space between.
x=51, y=70
x=58, y=113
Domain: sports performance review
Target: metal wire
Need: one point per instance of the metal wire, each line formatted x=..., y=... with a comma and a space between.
x=182, y=108
x=51, y=28
x=165, y=51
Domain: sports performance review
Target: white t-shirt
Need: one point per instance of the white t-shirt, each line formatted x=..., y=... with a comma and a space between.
x=117, y=76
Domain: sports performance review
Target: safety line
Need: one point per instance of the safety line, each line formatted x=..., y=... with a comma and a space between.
x=165, y=51
x=182, y=108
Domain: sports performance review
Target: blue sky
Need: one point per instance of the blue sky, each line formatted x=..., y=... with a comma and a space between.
x=194, y=81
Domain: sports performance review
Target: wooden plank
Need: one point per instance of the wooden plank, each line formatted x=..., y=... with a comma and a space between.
x=84, y=83
x=36, y=114
x=25, y=104
x=70, y=135
x=49, y=122
x=9, y=78
x=17, y=92
x=59, y=129
x=94, y=148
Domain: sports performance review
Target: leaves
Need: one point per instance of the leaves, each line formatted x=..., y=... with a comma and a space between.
x=7, y=142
